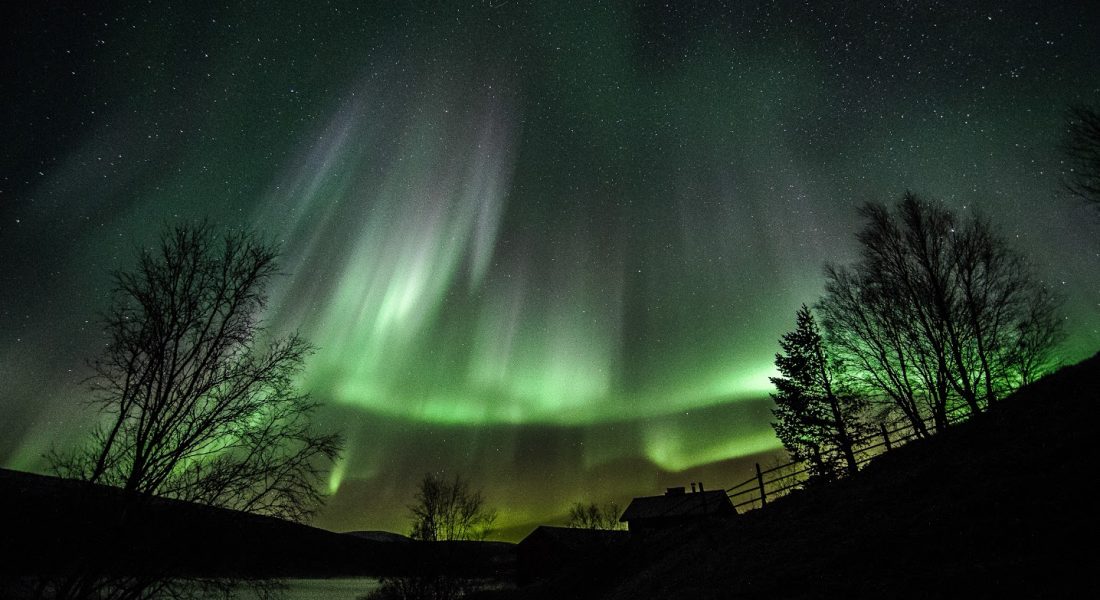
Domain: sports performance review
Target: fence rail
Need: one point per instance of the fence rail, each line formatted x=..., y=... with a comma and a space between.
x=795, y=474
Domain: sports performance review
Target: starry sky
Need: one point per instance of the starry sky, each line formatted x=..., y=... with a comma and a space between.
x=547, y=246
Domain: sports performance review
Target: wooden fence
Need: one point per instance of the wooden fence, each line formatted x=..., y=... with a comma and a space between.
x=772, y=482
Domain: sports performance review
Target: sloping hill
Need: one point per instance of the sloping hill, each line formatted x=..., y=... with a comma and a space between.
x=52, y=524
x=53, y=521
x=992, y=508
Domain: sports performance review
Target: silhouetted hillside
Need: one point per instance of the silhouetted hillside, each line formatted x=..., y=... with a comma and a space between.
x=51, y=521
x=992, y=508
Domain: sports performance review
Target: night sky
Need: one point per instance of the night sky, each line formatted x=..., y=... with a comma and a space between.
x=544, y=246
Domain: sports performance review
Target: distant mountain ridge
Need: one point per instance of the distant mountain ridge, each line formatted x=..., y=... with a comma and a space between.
x=379, y=536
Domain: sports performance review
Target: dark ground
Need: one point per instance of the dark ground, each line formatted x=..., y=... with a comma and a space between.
x=53, y=526
x=995, y=507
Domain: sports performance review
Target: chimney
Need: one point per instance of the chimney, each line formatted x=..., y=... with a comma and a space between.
x=674, y=491
x=692, y=487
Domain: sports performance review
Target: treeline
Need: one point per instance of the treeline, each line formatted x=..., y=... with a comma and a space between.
x=937, y=314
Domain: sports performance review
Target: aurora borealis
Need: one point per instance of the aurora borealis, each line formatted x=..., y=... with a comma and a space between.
x=547, y=246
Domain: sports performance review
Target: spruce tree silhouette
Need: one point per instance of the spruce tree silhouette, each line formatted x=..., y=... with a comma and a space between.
x=816, y=419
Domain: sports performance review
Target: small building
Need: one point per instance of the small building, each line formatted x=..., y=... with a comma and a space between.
x=550, y=551
x=676, y=508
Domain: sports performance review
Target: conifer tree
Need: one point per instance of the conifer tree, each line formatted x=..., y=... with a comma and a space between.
x=814, y=418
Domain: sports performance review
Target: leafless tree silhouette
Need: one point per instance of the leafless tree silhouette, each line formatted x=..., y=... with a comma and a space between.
x=197, y=402
x=449, y=511
x=589, y=515
x=444, y=511
x=938, y=310
x=1081, y=148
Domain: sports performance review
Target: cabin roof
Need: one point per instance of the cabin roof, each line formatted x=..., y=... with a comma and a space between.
x=695, y=504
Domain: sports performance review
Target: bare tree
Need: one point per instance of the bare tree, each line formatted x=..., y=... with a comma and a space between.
x=449, y=511
x=197, y=402
x=1081, y=147
x=870, y=334
x=590, y=515
x=444, y=511
x=938, y=312
x=1036, y=335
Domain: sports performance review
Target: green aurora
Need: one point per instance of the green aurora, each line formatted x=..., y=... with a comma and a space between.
x=548, y=247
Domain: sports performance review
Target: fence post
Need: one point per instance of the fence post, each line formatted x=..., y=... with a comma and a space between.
x=760, y=482
x=885, y=436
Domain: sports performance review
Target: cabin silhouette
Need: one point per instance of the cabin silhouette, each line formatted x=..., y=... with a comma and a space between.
x=676, y=508
x=586, y=553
